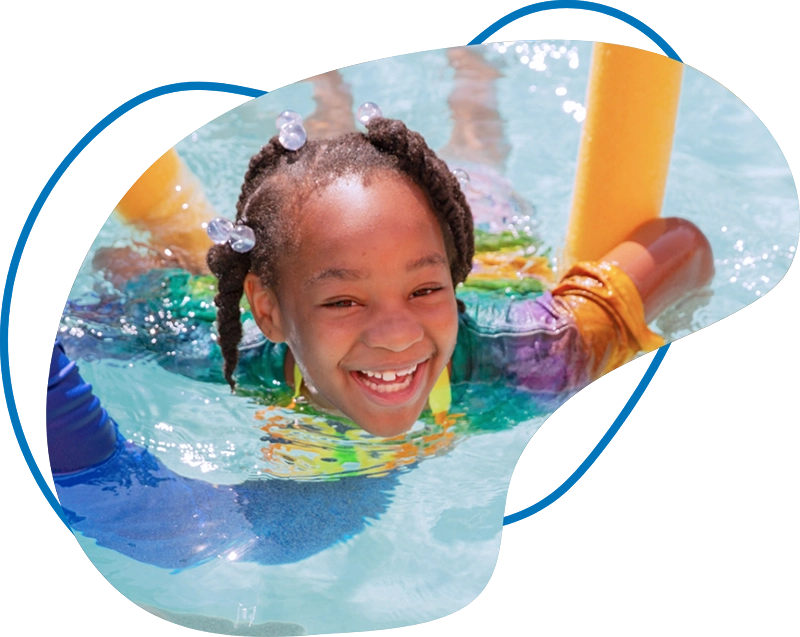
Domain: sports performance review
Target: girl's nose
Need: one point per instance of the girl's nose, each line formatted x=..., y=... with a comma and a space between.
x=393, y=329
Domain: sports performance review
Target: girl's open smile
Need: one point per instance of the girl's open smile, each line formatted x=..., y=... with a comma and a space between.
x=392, y=386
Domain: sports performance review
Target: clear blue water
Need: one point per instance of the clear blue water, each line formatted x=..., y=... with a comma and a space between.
x=435, y=548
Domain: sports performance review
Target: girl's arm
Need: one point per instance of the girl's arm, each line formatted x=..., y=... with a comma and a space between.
x=666, y=259
x=594, y=320
x=613, y=300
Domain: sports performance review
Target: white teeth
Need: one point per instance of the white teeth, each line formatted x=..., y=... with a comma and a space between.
x=389, y=376
x=403, y=378
x=387, y=389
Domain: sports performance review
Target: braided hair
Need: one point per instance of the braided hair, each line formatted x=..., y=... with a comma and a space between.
x=278, y=181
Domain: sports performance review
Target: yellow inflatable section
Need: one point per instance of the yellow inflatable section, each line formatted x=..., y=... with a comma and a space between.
x=168, y=201
x=626, y=142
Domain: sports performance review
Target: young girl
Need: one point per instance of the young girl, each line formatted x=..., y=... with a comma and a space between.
x=351, y=250
x=360, y=244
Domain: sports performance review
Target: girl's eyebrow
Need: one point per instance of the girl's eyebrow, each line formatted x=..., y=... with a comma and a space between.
x=432, y=259
x=343, y=274
x=347, y=274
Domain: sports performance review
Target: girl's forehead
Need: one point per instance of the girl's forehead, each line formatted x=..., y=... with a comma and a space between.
x=351, y=223
x=353, y=206
x=374, y=184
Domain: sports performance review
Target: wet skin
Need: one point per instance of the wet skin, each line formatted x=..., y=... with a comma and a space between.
x=365, y=301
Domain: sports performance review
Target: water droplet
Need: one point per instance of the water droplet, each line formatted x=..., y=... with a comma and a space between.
x=367, y=111
x=243, y=239
x=292, y=136
x=219, y=229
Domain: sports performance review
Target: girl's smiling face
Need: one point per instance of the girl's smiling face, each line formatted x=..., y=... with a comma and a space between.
x=365, y=300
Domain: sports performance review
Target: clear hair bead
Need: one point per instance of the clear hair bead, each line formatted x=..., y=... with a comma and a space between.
x=462, y=176
x=243, y=239
x=288, y=117
x=219, y=229
x=292, y=136
x=368, y=111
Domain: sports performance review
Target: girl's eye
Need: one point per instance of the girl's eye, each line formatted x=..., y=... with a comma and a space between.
x=342, y=303
x=348, y=303
x=425, y=292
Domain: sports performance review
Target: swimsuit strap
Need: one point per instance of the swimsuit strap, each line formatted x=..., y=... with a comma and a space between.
x=439, y=400
x=440, y=397
x=298, y=386
x=298, y=382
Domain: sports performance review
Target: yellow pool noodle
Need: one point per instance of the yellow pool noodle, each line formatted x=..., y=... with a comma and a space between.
x=168, y=201
x=625, y=147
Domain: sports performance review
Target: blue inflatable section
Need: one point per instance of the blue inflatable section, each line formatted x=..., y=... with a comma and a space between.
x=122, y=496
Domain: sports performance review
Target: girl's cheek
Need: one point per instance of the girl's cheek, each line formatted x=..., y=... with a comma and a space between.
x=448, y=315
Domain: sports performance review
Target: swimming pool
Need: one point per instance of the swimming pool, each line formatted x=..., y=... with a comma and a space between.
x=434, y=549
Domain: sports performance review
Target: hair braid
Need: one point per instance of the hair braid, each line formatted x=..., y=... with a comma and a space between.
x=433, y=176
x=264, y=160
x=231, y=267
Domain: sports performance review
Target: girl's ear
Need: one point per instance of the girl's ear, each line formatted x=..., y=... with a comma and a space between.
x=265, y=308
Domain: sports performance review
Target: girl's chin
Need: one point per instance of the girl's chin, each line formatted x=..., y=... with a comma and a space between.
x=387, y=432
x=388, y=427
x=375, y=420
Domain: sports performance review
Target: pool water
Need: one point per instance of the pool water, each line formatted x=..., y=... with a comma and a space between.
x=434, y=549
